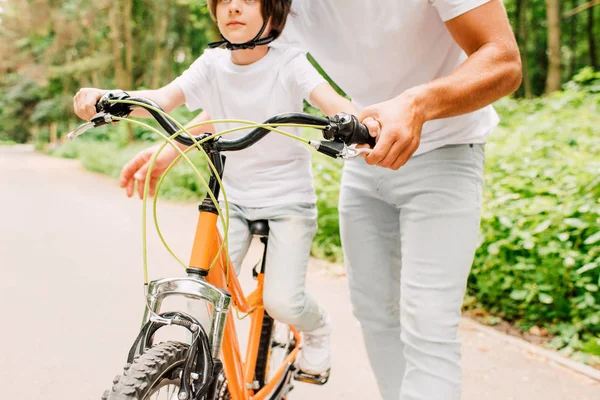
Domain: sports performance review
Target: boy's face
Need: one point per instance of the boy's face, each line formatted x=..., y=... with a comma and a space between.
x=240, y=20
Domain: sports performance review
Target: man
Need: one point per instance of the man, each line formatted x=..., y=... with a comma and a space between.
x=424, y=73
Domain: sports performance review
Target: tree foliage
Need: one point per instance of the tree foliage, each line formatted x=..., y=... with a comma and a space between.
x=59, y=46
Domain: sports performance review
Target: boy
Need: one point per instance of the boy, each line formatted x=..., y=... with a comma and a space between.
x=270, y=180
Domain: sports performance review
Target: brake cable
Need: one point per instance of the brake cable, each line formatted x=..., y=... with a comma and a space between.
x=183, y=154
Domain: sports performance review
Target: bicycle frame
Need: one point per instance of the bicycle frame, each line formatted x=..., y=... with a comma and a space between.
x=207, y=280
x=222, y=333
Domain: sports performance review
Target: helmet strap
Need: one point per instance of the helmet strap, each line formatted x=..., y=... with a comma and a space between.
x=256, y=41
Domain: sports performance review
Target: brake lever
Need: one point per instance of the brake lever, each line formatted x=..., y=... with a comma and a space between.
x=97, y=120
x=351, y=152
x=337, y=149
x=102, y=118
x=81, y=129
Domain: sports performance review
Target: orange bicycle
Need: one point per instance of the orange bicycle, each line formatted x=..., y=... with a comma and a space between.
x=210, y=367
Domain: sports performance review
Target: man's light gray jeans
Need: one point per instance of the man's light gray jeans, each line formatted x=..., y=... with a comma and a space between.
x=409, y=237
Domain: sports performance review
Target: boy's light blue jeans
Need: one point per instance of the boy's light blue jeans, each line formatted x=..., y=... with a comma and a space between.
x=291, y=231
x=409, y=238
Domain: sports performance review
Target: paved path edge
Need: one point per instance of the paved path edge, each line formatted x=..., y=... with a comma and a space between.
x=523, y=344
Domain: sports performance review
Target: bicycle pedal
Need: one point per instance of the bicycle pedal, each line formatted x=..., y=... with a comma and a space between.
x=312, y=379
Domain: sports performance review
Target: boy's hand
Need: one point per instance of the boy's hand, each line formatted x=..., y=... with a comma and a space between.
x=137, y=168
x=84, y=102
x=397, y=123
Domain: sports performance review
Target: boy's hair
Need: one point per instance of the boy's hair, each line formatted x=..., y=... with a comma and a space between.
x=278, y=10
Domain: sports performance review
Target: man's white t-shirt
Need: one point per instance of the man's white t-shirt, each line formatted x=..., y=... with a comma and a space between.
x=277, y=169
x=375, y=50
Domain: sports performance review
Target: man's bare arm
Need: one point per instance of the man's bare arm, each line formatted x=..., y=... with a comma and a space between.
x=492, y=71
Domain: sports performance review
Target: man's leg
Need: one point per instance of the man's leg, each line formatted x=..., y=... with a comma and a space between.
x=371, y=240
x=440, y=200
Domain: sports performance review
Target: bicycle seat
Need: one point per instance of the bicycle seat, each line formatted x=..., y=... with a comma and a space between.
x=259, y=228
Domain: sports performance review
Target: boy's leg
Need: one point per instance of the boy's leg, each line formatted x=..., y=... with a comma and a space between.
x=291, y=230
x=239, y=237
x=371, y=242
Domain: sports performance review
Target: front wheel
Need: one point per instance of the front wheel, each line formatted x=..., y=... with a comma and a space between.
x=154, y=375
x=276, y=343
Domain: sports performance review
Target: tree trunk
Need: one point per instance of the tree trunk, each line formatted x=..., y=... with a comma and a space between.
x=53, y=133
x=92, y=52
x=161, y=25
x=573, y=42
x=128, y=38
x=554, y=66
x=34, y=132
x=591, y=38
x=122, y=46
x=521, y=22
x=115, y=17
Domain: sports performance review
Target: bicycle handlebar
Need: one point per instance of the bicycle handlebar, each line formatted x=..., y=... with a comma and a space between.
x=340, y=130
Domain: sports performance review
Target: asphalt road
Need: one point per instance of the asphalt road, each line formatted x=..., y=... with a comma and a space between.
x=70, y=267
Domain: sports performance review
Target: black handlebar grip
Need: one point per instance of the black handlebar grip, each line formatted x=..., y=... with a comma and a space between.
x=361, y=136
x=117, y=109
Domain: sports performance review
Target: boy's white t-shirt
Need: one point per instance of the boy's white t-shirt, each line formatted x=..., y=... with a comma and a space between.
x=375, y=50
x=277, y=169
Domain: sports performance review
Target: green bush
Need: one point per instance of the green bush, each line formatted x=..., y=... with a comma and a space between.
x=327, y=175
x=539, y=258
x=70, y=149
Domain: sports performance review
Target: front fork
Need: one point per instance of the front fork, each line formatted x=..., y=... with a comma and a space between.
x=195, y=287
x=202, y=364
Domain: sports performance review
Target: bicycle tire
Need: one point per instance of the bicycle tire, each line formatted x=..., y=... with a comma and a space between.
x=262, y=359
x=264, y=346
x=147, y=372
x=273, y=350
